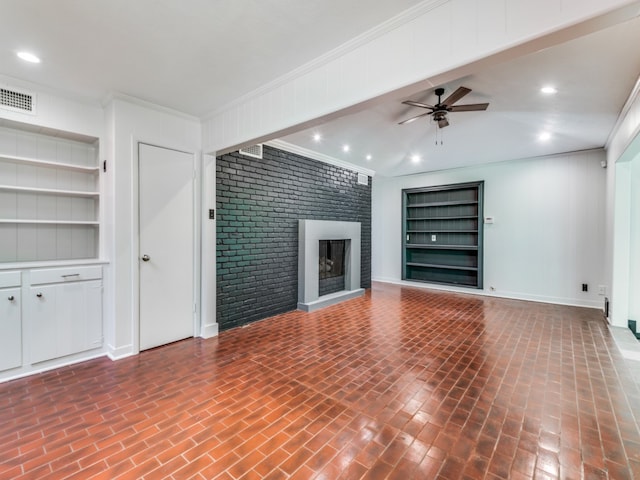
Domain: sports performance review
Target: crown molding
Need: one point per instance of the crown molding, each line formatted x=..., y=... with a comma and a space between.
x=347, y=47
x=321, y=157
x=110, y=97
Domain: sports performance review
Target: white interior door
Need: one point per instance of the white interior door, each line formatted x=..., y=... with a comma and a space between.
x=166, y=257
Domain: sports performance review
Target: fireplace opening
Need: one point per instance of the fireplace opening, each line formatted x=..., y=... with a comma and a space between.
x=331, y=266
x=331, y=258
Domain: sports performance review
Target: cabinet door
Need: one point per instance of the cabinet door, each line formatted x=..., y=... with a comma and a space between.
x=79, y=310
x=44, y=328
x=65, y=319
x=10, y=329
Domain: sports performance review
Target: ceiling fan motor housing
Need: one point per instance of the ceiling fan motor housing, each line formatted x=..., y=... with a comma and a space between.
x=439, y=115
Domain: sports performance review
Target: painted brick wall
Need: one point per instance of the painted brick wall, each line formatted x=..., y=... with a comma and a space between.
x=259, y=203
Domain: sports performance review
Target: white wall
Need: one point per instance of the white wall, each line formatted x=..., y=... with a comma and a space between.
x=548, y=236
x=129, y=123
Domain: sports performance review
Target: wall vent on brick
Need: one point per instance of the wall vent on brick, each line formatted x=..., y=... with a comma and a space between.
x=17, y=100
x=254, y=151
x=363, y=179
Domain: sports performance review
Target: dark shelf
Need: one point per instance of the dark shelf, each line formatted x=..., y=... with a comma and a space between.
x=456, y=217
x=450, y=283
x=443, y=247
x=442, y=231
x=443, y=204
x=446, y=267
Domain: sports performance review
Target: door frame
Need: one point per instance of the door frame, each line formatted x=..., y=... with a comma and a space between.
x=135, y=235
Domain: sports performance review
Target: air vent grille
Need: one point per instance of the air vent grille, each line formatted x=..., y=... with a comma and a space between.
x=254, y=151
x=363, y=179
x=17, y=101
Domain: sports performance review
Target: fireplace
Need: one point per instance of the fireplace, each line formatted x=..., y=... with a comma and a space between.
x=328, y=263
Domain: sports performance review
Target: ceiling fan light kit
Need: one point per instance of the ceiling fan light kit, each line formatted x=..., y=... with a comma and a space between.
x=440, y=110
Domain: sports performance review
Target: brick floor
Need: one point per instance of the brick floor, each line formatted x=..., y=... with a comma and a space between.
x=402, y=383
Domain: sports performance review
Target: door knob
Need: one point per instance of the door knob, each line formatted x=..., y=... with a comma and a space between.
x=11, y=298
x=39, y=295
x=146, y=258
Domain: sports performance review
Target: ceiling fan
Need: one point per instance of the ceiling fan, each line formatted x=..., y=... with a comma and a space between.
x=440, y=109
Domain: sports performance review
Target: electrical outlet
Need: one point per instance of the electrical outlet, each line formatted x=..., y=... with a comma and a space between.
x=433, y=238
x=602, y=289
x=585, y=287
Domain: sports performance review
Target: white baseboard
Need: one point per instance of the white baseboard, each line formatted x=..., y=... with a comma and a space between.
x=209, y=331
x=572, y=302
x=120, y=352
x=27, y=370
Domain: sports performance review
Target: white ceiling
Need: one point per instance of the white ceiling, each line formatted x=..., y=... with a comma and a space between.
x=594, y=76
x=190, y=55
x=197, y=55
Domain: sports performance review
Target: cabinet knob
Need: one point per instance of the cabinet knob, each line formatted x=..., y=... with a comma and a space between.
x=146, y=258
x=39, y=295
x=11, y=298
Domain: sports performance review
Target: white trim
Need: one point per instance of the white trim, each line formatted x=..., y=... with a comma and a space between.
x=623, y=114
x=52, y=263
x=208, y=321
x=27, y=370
x=338, y=52
x=109, y=98
x=120, y=352
x=321, y=157
x=209, y=331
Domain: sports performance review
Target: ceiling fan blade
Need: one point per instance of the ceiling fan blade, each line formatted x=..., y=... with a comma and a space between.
x=472, y=107
x=443, y=123
x=417, y=104
x=409, y=120
x=455, y=96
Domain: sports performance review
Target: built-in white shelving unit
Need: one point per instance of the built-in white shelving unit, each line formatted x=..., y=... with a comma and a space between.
x=50, y=266
x=49, y=197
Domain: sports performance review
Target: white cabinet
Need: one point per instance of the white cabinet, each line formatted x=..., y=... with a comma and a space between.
x=10, y=321
x=65, y=317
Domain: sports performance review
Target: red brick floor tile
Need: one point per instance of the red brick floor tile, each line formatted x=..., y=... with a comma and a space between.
x=401, y=383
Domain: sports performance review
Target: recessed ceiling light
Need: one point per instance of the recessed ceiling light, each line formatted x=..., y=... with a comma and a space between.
x=549, y=90
x=345, y=148
x=369, y=157
x=415, y=158
x=317, y=137
x=544, y=136
x=28, y=57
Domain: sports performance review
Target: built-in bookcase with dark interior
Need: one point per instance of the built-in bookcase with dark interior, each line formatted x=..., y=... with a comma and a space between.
x=442, y=234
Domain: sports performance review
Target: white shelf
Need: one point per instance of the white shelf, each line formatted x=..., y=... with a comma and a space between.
x=49, y=164
x=49, y=222
x=50, y=191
